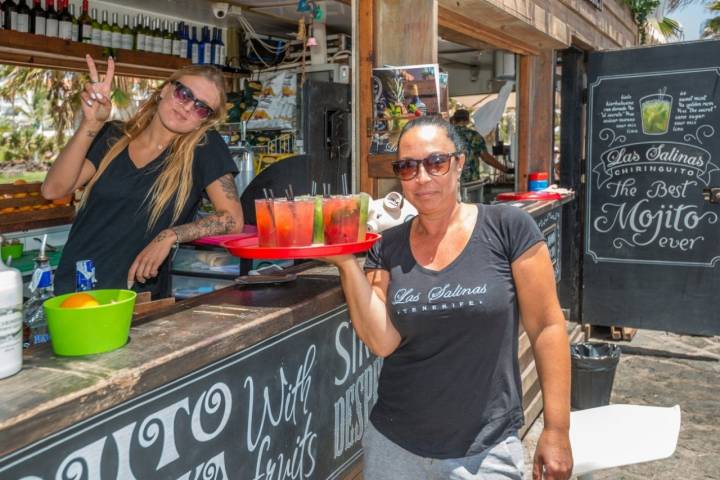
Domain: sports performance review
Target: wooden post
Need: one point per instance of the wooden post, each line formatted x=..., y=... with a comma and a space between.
x=572, y=134
x=390, y=32
x=535, y=121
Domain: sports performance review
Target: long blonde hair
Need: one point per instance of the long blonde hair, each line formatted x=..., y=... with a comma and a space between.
x=175, y=179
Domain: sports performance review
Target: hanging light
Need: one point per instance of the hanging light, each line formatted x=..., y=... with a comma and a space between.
x=312, y=42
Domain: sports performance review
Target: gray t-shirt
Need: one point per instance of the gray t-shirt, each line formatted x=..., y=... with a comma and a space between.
x=452, y=388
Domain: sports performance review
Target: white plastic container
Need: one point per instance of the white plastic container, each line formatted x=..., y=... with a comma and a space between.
x=11, y=320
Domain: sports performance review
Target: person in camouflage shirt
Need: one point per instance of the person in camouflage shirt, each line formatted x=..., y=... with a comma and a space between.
x=476, y=148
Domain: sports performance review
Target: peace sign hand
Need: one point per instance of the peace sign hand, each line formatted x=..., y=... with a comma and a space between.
x=96, y=104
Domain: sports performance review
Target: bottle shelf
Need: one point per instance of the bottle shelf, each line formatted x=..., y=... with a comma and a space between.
x=29, y=50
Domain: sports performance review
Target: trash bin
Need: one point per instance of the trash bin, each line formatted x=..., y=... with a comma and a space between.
x=593, y=373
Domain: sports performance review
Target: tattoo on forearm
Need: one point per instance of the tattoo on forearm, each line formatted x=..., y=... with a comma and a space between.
x=228, y=186
x=161, y=236
x=215, y=224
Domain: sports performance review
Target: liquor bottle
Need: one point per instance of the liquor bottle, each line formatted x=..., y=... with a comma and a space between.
x=157, y=36
x=127, y=33
x=96, y=28
x=194, y=47
x=167, y=38
x=85, y=22
x=23, y=17
x=218, y=48
x=205, y=46
x=41, y=288
x=64, y=21
x=51, y=23
x=9, y=9
x=175, y=48
x=105, y=31
x=223, y=50
x=75, y=24
x=11, y=320
x=37, y=18
x=115, y=32
x=138, y=34
x=183, y=40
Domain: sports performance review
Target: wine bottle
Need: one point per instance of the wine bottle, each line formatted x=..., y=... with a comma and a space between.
x=157, y=36
x=149, y=38
x=221, y=48
x=51, y=16
x=105, y=31
x=115, y=32
x=64, y=21
x=96, y=28
x=23, y=17
x=138, y=33
x=167, y=38
x=175, y=40
x=9, y=9
x=37, y=18
x=127, y=33
x=85, y=22
x=75, y=24
x=183, y=40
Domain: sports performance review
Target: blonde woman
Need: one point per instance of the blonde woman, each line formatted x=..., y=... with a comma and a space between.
x=144, y=180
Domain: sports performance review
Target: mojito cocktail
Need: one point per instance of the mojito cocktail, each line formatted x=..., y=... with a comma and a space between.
x=655, y=112
x=341, y=218
x=264, y=218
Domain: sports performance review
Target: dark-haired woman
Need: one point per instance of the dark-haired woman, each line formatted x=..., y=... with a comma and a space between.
x=144, y=180
x=440, y=299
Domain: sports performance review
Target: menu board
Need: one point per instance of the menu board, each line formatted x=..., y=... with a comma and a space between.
x=653, y=146
x=550, y=224
x=293, y=406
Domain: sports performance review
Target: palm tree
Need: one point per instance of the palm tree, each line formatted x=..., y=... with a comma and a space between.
x=711, y=28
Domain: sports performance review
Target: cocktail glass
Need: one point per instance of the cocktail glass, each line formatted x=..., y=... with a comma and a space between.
x=303, y=211
x=341, y=219
x=264, y=217
x=655, y=113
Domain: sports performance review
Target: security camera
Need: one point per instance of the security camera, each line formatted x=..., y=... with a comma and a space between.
x=220, y=9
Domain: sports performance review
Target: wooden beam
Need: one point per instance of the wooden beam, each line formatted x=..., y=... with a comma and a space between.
x=458, y=28
x=364, y=51
x=524, y=109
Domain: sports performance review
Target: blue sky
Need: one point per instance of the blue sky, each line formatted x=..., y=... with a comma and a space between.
x=691, y=18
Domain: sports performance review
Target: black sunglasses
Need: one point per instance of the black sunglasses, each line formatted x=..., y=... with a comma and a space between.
x=435, y=164
x=184, y=95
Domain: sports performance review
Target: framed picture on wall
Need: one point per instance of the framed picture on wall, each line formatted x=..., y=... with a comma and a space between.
x=399, y=95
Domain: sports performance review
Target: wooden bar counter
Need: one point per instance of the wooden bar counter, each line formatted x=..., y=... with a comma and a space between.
x=248, y=382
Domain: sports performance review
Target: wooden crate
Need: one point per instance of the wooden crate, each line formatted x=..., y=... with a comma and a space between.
x=22, y=207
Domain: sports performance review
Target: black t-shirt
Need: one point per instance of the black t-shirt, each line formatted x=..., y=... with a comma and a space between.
x=452, y=388
x=112, y=228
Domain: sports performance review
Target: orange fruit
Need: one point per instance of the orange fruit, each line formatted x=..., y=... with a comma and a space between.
x=79, y=300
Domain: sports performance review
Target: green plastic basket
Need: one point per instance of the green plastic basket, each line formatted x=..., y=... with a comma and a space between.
x=85, y=331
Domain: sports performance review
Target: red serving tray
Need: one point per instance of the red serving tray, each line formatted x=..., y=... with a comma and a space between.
x=244, y=249
x=510, y=196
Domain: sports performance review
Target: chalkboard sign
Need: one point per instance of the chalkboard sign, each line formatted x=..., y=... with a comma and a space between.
x=652, y=244
x=550, y=224
x=293, y=406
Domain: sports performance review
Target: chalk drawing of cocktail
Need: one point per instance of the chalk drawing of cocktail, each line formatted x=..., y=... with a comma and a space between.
x=655, y=110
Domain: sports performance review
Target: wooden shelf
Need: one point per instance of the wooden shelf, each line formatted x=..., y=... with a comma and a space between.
x=26, y=49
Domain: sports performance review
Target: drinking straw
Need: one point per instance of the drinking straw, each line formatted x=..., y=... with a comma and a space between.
x=270, y=198
x=292, y=194
x=344, y=183
x=265, y=192
x=313, y=188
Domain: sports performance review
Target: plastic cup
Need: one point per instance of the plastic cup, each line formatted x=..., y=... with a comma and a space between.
x=303, y=211
x=267, y=236
x=341, y=219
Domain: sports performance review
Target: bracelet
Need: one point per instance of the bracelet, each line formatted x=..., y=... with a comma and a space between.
x=177, y=239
